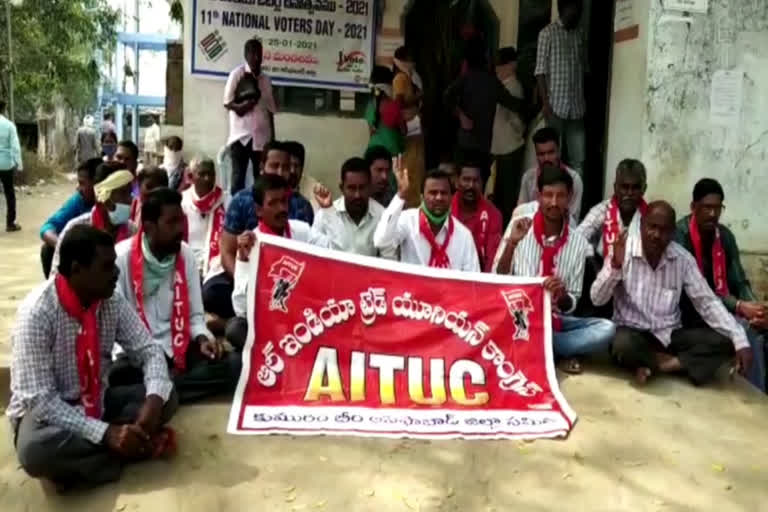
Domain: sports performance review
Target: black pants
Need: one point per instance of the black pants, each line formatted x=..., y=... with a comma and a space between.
x=701, y=351
x=6, y=177
x=46, y=258
x=217, y=296
x=506, y=191
x=241, y=156
x=237, y=332
x=52, y=452
x=201, y=379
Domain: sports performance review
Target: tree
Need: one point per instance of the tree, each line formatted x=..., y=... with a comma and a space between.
x=56, y=45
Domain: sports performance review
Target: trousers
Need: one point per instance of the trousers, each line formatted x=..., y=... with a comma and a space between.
x=46, y=258
x=217, y=296
x=701, y=351
x=509, y=173
x=51, y=452
x=241, y=156
x=6, y=178
x=573, y=138
x=583, y=336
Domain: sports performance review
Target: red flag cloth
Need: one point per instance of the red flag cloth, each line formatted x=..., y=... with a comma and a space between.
x=263, y=228
x=549, y=253
x=486, y=226
x=179, y=308
x=439, y=252
x=394, y=350
x=99, y=221
x=87, y=346
x=611, y=229
x=719, y=272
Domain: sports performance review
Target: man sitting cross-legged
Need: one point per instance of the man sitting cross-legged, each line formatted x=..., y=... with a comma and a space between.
x=428, y=235
x=270, y=195
x=717, y=256
x=646, y=276
x=159, y=276
x=546, y=247
x=205, y=205
x=69, y=426
x=349, y=222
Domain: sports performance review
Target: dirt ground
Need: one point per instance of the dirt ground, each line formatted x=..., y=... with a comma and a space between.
x=668, y=447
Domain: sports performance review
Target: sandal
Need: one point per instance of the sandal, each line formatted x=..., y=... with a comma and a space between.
x=571, y=366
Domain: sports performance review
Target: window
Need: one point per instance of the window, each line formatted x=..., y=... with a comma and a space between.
x=321, y=102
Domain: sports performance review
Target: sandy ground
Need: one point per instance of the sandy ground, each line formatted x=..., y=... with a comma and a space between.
x=668, y=447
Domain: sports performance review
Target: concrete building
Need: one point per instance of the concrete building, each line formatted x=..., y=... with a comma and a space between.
x=655, y=96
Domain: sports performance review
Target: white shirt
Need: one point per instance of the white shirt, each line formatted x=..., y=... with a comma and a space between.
x=398, y=228
x=199, y=230
x=253, y=126
x=345, y=235
x=300, y=231
x=593, y=224
x=158, y=307
x=152, y=139
x=508, y=128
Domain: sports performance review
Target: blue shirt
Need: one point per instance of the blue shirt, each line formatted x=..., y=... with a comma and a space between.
x=241, y=214
x=74, y=207
x=10, y=149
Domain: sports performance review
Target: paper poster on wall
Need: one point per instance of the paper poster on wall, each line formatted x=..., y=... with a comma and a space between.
x=327, y=44
x=624, y=24
x=726, y=98
x=697, y=6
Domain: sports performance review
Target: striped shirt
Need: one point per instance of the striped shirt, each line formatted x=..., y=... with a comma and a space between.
x=562, y=57
x=592, y=225
x=649, y=300
x=569, y=262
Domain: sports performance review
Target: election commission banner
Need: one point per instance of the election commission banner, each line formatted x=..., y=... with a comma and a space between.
x=348, y=345
x=310, y=43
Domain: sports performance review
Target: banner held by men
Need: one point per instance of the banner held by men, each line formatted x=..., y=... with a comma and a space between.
x=307, y=43
x=394, y=350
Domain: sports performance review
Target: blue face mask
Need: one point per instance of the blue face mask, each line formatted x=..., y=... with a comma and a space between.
x=109, y=150
x=120, y=215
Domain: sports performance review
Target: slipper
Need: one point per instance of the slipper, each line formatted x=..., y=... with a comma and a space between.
x=571, y=366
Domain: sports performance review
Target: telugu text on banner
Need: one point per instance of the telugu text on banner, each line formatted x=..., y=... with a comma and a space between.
x=349, y=345
x=311, y=43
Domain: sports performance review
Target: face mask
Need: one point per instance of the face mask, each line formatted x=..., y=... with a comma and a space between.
x=109, y=149
x=171, y=159
x=120, y=215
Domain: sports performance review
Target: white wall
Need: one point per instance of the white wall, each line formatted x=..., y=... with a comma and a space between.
x=626, y=111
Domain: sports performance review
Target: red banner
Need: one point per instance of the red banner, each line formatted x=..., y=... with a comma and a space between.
x=349, y=345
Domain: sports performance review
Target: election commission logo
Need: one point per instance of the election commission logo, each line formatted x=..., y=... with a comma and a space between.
x=352, y=62
x=519, y=306
x=285, y=274
x=213, y=46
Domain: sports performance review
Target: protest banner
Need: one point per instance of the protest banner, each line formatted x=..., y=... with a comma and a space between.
x=310, y=43
x=349, y=345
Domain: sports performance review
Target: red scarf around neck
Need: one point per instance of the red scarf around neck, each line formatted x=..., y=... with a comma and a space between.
x=136, y=211
x=87, y=346
x=549, y=253
x=99, y=221
x=439, y=252
x=481, y=235
x=263, y=228
x=212, y=202
x=612, y=225
x=179, y=308
x=719, y=274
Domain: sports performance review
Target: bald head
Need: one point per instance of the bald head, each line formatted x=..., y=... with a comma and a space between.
x=658, y=229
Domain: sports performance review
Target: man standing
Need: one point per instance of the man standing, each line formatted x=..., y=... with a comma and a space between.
x=479, y=216
x=473, y=97
x=561, y=63
x=429, y=235
x=152, y=143
x=508, y=146
x=112, y=211
x=10, y=164
x=271, y=209
x=545, y=142
x=646, y=276
x=69, y=427
x=718, y=259
x=251, y=105
x=79, y=203
x=159, y=277
x=380, y=163
x=606, y=222
x=205, y=205
x=349, y=222
x=551, y=250
x=240, y=217
x=173, y=163
x=86, y=141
